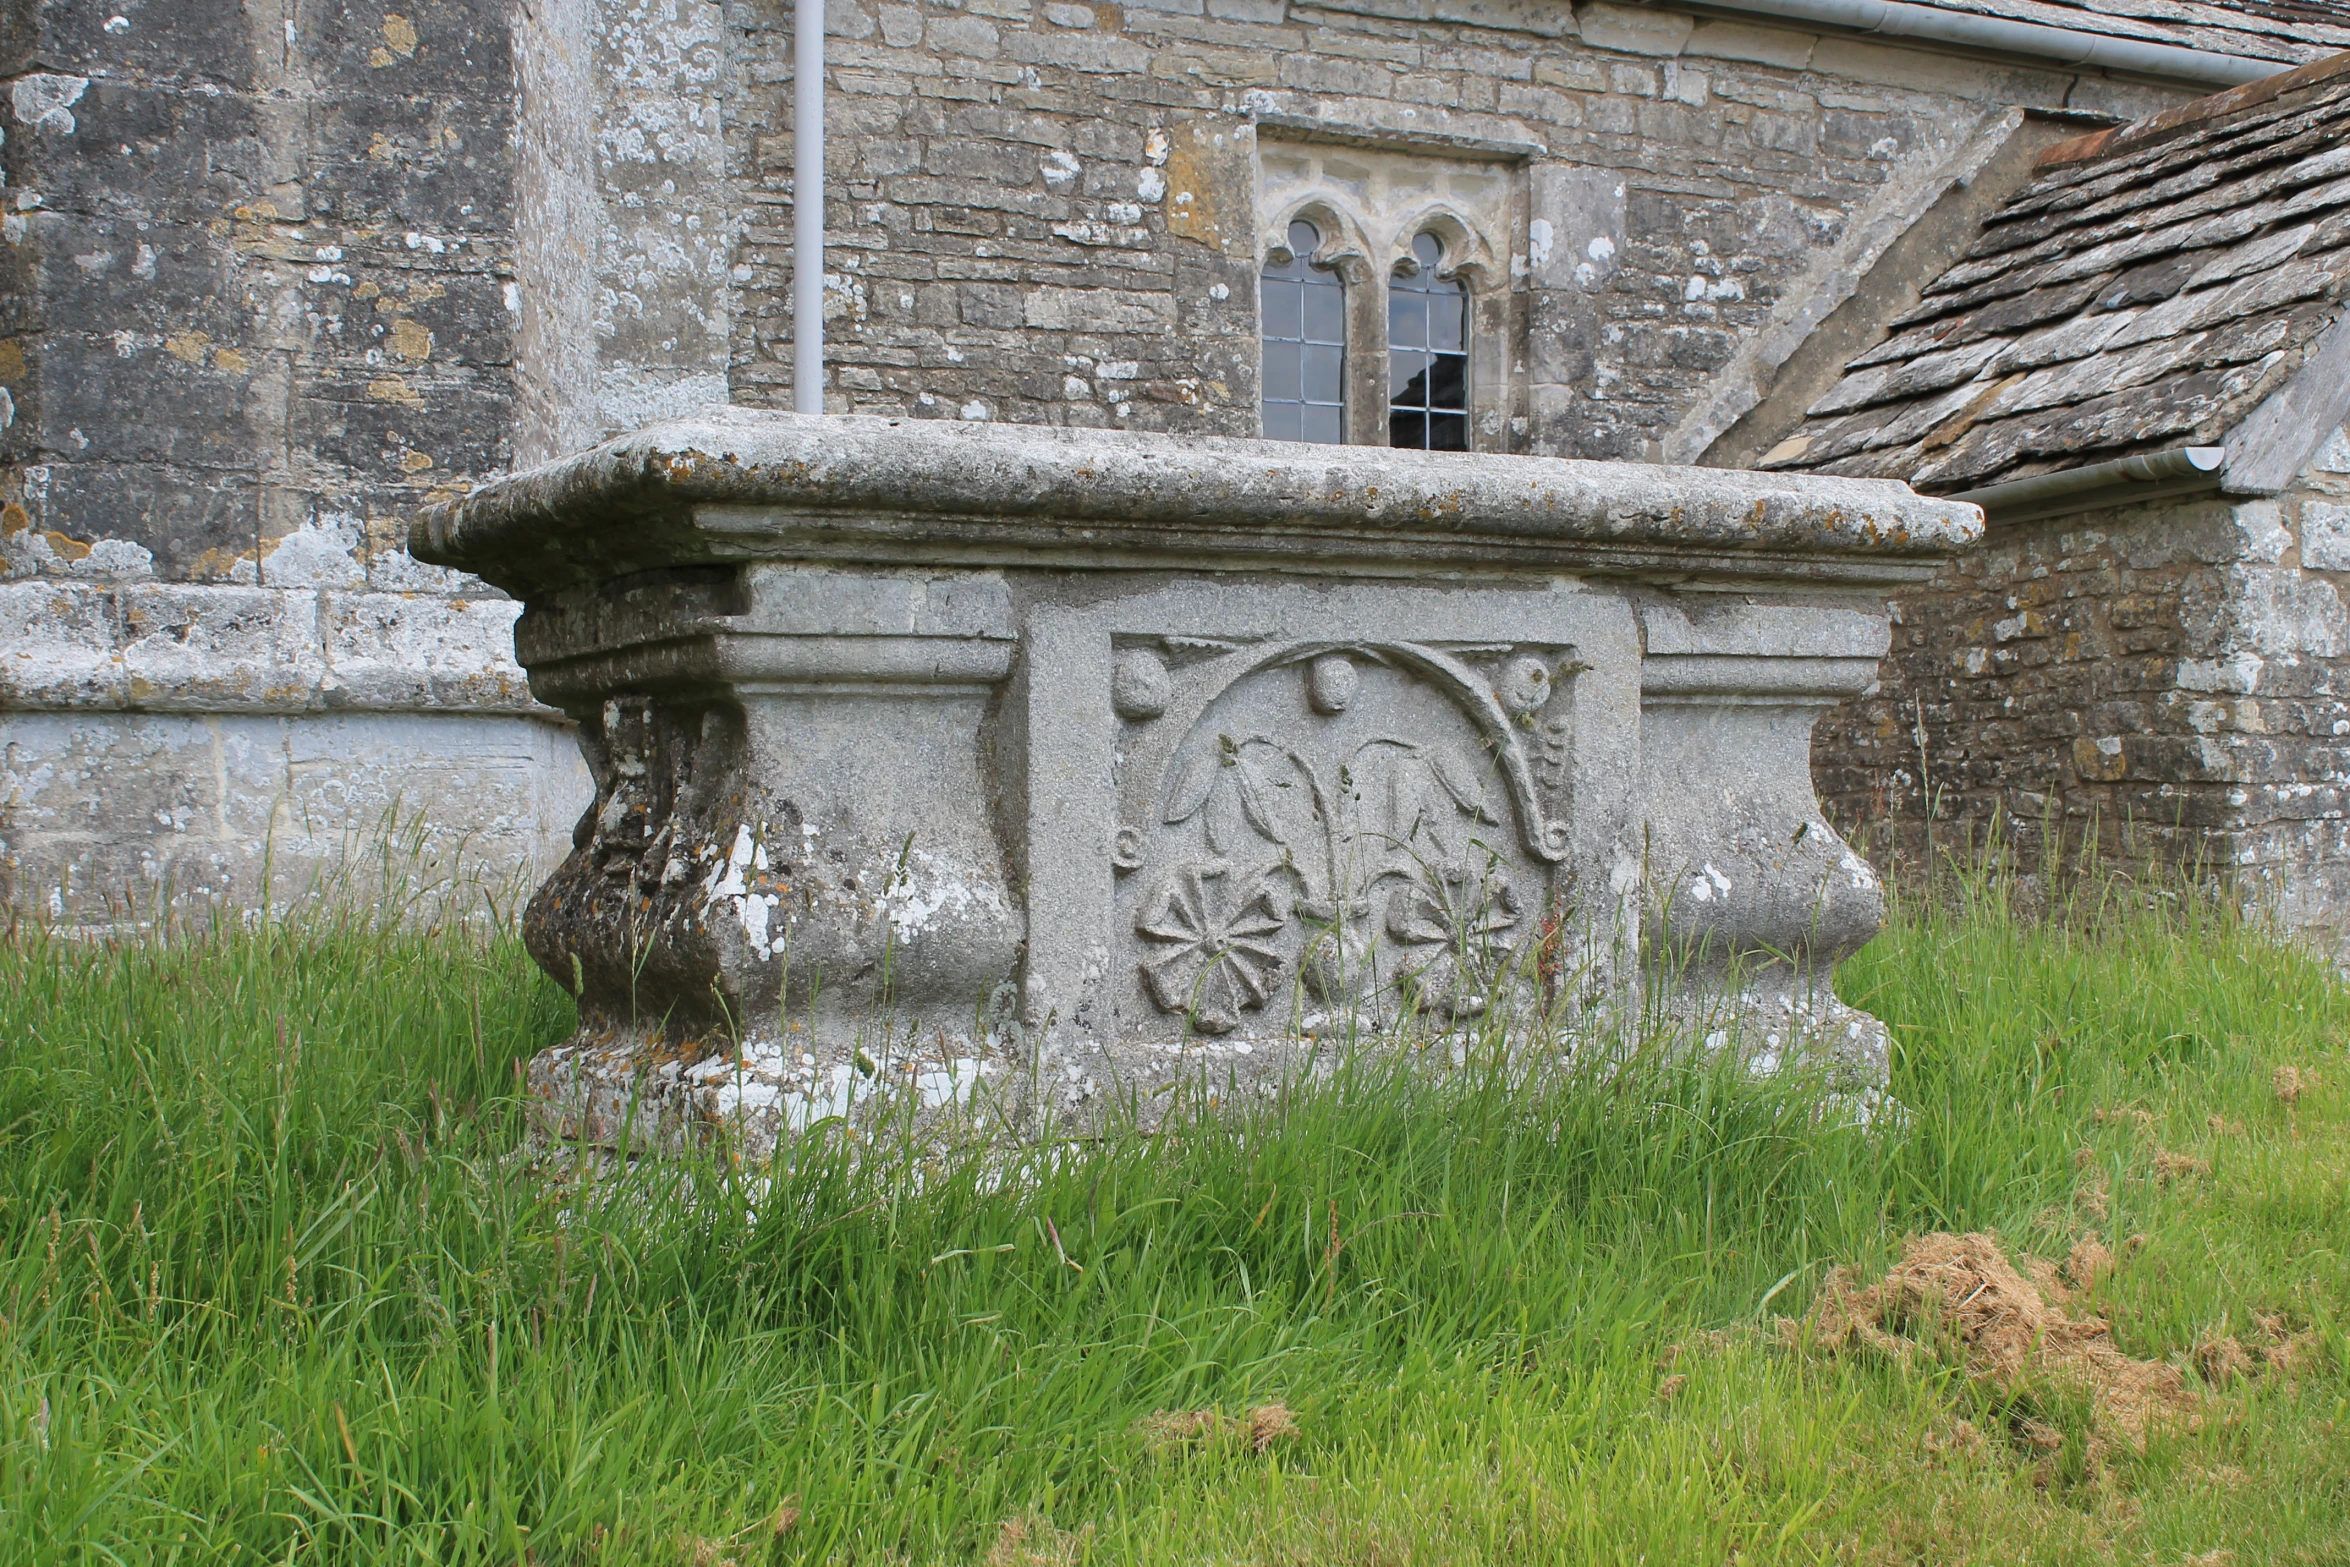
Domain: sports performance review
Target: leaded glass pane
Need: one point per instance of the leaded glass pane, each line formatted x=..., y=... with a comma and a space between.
x=1304, y=316
x=1427, y=354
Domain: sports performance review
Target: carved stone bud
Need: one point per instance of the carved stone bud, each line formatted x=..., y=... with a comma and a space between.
x=1330, y=683
x=1524, y=686
x=1139, y=687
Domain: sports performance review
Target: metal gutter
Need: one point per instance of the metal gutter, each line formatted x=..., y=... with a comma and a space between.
x=2183, y=470
x=1996, y=34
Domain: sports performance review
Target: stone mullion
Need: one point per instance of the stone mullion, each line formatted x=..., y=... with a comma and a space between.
x=1366, y=351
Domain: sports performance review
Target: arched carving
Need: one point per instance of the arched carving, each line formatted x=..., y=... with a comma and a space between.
x=1367, y=820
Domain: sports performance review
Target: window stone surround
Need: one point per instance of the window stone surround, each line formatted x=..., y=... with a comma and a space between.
x=1370, y=203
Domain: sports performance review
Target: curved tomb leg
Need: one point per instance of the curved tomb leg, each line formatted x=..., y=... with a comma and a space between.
x=789, y=894
x=1750, y=898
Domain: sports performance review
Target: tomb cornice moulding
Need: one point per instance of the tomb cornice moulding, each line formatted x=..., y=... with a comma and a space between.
x=742, y=485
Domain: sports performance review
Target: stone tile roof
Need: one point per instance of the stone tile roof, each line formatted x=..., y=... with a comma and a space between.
x=2290, y=32
x=2146, y=291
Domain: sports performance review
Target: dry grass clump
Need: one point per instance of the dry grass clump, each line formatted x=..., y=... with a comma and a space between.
x=2282, y=1350
x=1960, y=1293
x=2222, y=1360
x=1964, y=1440
x=2089, y=1263
x=1034, y=1542
x=2287, y=1083
x=733, y=1550
x=2169, y=1167
x=1261, y=1427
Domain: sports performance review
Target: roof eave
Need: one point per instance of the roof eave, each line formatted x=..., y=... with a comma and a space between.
x=2125, y=481
x=1974, y=33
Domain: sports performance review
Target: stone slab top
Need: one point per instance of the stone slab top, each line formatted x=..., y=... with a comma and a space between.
x=740, y=485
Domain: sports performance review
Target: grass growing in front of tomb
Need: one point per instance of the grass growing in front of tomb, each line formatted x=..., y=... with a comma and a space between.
x=275, y=1285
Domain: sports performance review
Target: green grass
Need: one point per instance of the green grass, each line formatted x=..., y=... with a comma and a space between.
x=277, y=1282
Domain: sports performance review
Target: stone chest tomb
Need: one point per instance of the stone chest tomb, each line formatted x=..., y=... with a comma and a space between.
x=1068, y=762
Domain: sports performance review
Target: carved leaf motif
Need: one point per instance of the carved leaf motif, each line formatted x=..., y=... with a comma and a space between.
x=1449, y=775
x=1252, y=798
x=1193, y=784
x=1331, y=852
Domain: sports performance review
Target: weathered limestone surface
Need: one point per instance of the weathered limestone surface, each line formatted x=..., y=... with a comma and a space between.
x=1071, y=762
x=168, y=748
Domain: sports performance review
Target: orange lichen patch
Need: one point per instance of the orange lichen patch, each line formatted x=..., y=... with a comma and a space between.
x=11, y=360
x=1958, y=1294
x=415, y=462
x=217, y=563
x=14, y=519
x=193, y=347
x=68, y=547
x=391, y=389
x=411, y=341
x=230, y=360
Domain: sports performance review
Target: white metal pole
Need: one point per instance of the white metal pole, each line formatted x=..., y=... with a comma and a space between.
x=807, y=312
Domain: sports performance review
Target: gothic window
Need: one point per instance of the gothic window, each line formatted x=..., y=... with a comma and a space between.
x=1427, y=353
x=1305, y=345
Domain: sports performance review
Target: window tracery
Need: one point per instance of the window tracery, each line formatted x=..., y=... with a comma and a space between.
x=1412, y=263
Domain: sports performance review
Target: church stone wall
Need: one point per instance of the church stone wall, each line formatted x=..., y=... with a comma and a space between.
x=1044, y=212
x=273, y=275
x=2172, y=676
x=260, y=303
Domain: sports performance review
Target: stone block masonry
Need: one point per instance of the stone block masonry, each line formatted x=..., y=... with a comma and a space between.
x=273, y=275
x=2163, y=676
x=262, y=302
x=1050, y=214
x=1076, y=764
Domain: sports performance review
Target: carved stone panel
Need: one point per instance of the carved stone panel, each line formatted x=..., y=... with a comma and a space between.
x=1326, y=809
x=1364, y=825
